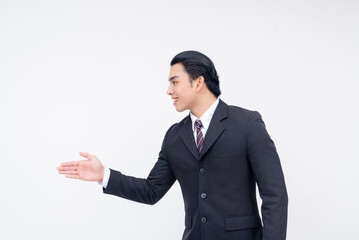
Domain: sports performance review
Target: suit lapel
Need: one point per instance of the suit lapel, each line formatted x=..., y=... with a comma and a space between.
x=215, y=129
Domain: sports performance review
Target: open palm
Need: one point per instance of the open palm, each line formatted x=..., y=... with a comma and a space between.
x=86, y=170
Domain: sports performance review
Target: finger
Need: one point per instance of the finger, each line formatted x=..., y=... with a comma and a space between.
x=70, y=164
x=68, y=172
x=73, y=176
x=67, y=168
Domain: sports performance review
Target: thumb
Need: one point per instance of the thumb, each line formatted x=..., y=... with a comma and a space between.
x=84, y=154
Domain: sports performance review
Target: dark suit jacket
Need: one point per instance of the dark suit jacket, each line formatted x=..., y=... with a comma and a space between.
x=218, y=185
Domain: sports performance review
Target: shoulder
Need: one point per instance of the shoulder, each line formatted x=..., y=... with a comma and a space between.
x=241, y=113
x=175, y=128
x=250, y=120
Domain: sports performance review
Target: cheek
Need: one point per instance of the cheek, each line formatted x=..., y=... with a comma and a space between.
x=189, y=94
x=186, y=96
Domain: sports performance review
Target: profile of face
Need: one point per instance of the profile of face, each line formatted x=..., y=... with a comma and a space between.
x=180, y=88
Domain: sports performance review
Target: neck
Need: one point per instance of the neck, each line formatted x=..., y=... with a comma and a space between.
x=202, y=106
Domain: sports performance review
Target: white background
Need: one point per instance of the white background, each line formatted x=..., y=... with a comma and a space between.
x=92, y=76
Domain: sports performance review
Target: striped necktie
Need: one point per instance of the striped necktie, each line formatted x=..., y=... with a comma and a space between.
x=198, y=124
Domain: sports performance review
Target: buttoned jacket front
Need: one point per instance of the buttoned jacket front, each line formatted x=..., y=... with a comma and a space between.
x=218, y=184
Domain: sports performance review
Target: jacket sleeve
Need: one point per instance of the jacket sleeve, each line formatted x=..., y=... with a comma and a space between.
x=149, y=190
x=268, y=174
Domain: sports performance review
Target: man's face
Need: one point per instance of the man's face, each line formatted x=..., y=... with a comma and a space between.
x=180, y=89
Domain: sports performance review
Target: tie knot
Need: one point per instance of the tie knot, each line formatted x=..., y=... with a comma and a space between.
x=198, y=123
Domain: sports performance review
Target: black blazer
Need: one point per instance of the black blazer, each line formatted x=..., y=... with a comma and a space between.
x=218, y=185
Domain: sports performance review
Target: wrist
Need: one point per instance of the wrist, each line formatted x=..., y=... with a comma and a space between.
x=102, y=173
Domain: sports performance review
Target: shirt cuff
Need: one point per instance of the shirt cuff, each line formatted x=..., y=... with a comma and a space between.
x=106, y=177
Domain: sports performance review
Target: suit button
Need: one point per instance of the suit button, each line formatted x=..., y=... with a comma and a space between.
x=203, y=219
x=203, y=195
x=201, y=170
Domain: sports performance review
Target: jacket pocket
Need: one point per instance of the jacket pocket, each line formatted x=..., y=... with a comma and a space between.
x=188, y=221
x=238, y=223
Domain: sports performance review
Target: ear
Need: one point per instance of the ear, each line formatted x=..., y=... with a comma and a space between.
x=200, y=83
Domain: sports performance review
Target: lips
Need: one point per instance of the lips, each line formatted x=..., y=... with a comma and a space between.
x=174, y=100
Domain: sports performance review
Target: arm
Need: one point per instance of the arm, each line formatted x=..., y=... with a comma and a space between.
x=268, y=174
x=149, y=190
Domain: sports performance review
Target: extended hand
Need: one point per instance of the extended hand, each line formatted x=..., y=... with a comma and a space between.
x=86, y=170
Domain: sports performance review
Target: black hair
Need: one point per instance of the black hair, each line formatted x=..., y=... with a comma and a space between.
x=197, y=64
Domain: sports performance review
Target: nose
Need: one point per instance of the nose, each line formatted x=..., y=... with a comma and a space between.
x=169, y=90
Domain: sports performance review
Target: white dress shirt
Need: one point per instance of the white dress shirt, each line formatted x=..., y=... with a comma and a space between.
x=205, y=119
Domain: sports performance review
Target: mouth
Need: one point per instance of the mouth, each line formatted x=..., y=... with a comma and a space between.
x=174, y=100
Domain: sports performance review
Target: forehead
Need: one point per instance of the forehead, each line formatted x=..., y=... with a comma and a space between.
x=177, y=70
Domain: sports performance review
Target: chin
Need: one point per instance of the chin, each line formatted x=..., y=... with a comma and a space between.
x=178, y=109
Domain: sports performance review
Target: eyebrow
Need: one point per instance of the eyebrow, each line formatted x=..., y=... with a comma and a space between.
x=170, y=79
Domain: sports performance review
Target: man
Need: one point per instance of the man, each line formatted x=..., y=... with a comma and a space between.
x=217, y=153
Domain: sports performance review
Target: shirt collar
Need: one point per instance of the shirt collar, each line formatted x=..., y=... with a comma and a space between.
x=206, y=117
